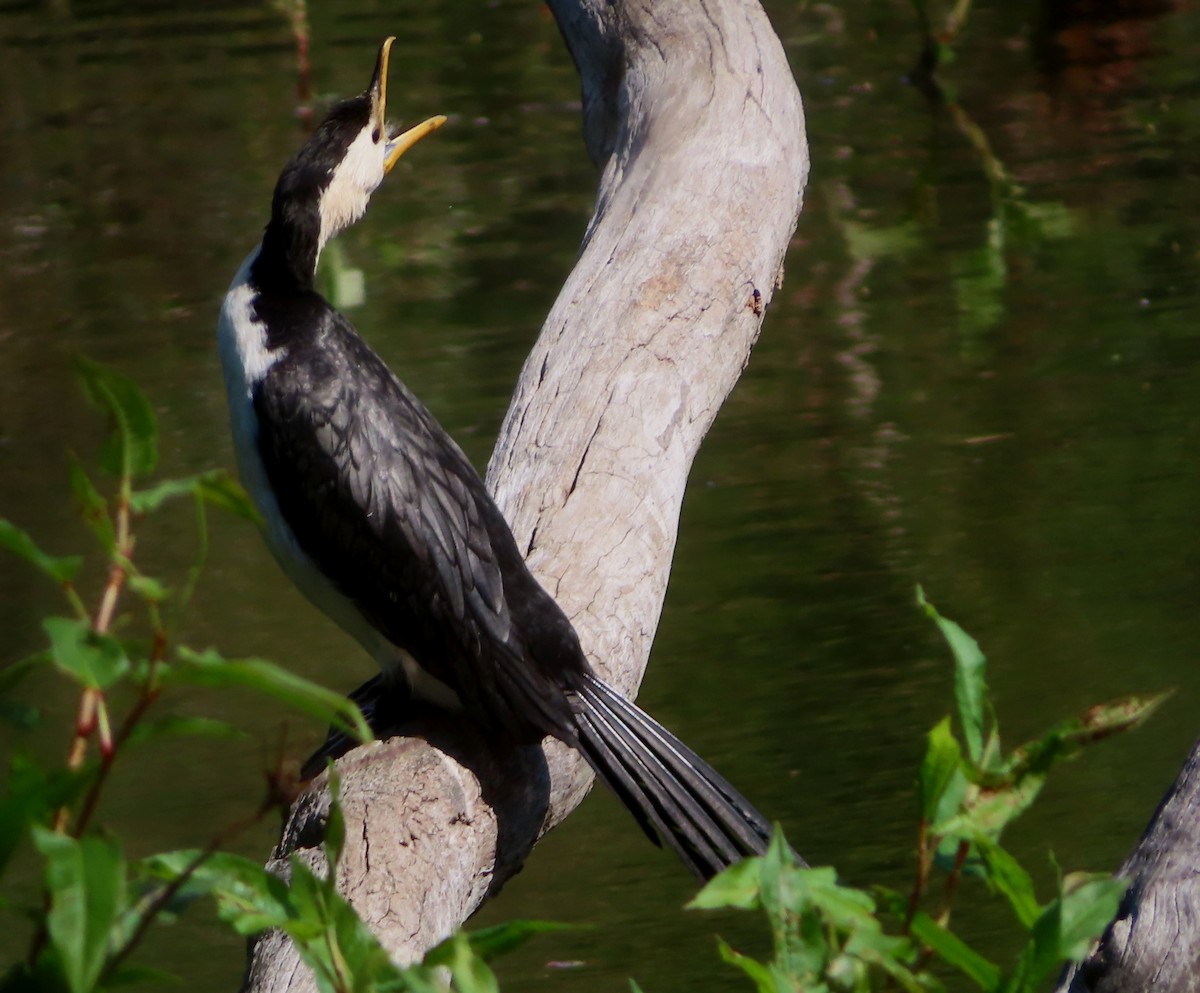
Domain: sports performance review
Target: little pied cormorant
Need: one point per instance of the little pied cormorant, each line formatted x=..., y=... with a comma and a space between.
x=377, y=516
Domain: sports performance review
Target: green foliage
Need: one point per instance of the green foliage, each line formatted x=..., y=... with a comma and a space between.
x=131, y=449
x=89, y=924
x=92, y=659
x=62, y=569
x=826, y=935
x=211, y=669
x=833, y=937
x=31, y=795
x=85, y=878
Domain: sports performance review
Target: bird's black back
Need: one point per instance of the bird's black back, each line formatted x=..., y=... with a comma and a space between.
x=391, y=511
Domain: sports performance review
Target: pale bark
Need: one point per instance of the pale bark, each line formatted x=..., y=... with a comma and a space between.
x=693, y=117
x=1154, y=944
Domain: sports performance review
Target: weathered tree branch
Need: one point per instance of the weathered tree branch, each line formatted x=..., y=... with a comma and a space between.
x=1154, y=944
x=695, y=122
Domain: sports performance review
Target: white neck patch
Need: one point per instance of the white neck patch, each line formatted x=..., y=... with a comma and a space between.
x=354, y=180
x=242, y=338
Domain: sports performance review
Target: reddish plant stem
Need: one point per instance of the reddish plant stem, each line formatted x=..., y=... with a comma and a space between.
x=92, y=712
x=924, y=863
x=92, y=799
x=955, y=877
x=943, y=918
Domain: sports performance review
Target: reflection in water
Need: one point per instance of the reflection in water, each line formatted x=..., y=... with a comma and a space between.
x=951, y=389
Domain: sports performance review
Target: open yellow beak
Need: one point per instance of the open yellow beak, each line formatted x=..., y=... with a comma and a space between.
x=401, y=143
x=404, y=141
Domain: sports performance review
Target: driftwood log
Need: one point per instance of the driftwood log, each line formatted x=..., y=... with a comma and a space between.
x=693, y=118
x=1153, y=946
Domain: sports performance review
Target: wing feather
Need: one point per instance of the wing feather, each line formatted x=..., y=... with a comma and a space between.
x=392, y=512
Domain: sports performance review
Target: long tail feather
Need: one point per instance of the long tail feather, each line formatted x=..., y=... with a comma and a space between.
x=673, y=793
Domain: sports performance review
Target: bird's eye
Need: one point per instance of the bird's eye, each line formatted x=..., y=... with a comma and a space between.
x=375, y=136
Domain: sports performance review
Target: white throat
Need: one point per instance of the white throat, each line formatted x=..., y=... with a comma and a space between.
x=357, y=176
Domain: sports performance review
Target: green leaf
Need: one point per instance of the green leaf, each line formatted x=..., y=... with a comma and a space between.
x=215, y=487
x=1089, y=904
x=333, y=942
x=993, y=809
x=210, y=669
x=775, y=882
x=92, y=505
x=18, y=714
x=843, y=906
x=343, y=954
x=969, y=687
x=85, y=879
x=93, y=660
x=61, y=569
x=249, y=898
x=761, y=976
x=1006, y=874
x=195, y=727
x=148, y=588
x=148, y=501
x=890, y=953
x=943, y=758
x=491, y=942
x=31, y=795
x=222, y=490
x=955, y=952
x=1040, y=958
x=335, y=823
x=13, y=674
x=736, y=887
x=132, y=447
x=1068, y=738
x=470, y=972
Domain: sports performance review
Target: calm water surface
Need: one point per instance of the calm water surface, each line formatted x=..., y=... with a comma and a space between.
x=981, y=375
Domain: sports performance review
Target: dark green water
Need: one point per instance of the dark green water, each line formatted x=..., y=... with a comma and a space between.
x=989, y=387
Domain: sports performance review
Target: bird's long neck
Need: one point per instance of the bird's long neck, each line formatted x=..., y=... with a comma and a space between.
x=291, y=245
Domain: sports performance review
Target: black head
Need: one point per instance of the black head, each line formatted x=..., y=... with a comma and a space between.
x=328, y=183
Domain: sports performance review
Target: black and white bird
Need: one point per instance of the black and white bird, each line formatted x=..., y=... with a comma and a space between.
x=377, y=516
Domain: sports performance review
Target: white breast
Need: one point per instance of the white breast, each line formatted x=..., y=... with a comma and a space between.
x=245, y=360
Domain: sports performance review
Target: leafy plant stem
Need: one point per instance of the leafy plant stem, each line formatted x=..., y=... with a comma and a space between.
x=85, y=724
x=341, y=977
x=93, y=713
x=116, y=577
x=76, y=602
x=197, y=567
x=924, y=866
x=943, y=918
x=108, y=758
x=164, y=896
x=952, y=881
